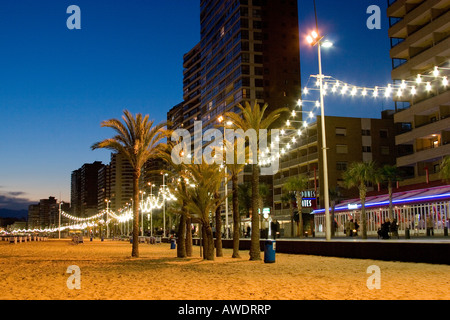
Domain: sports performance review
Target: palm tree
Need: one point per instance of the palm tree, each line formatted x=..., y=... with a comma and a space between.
x=297, y=185
x=390, y=174
x=288, y=198
x=253, y=118
x=138, y=140
x=201, y=198
x=359, y=175
x=234, y=169
x=445, y=168
x=335, y=197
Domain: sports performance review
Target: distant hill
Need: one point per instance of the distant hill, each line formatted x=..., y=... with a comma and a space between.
x=19, y=214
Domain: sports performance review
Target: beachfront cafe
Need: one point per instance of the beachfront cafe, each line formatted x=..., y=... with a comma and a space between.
x=410, y=208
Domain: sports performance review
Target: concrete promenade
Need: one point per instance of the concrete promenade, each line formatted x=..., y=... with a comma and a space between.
x=421, y=250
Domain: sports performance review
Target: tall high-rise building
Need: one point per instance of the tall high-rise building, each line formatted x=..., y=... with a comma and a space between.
x=84, y=189
x=104, y=187
x=45, y=214
x=249, y=51
x=420, y=52
x=121, y=182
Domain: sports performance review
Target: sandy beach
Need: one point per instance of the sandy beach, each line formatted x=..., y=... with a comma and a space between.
x=37, y=271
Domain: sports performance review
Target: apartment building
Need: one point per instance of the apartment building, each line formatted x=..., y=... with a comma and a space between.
x=420, y=52
x=348, y=140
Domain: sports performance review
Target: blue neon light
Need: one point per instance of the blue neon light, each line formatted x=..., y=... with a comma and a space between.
x=383, y=203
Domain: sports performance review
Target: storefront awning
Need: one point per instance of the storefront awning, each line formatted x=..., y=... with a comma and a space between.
x=426, y=195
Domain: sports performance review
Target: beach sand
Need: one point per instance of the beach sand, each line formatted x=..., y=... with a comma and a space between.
x=37, y=271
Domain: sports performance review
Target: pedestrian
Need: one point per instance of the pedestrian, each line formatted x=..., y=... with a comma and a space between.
x=384, y=231
x=248, y=231
x=356, y=228
x=347, y=228
x=352, y=227
x=394, y=228
x=430, y=229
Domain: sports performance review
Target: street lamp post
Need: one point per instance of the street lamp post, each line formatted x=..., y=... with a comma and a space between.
x=107, y=214
x=314, y=39
x=164, y=204
x=59, y=228
x=221, y=120
x=142, y=213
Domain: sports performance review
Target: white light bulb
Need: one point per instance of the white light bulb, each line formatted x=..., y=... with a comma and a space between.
x=305, y=90
x=299, y=102
x=364, y=92
x=293, y=113
x=413, y=90
x=403, y=85
x=436, y=72
x=445, y=81
x=375, y=92
x=428, y=87
x=317, y=104
x=419, y=79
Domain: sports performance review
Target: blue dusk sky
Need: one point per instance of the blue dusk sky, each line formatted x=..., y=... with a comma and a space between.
x=57, y=85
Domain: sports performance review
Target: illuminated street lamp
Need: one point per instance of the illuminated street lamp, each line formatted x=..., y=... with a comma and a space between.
x=221, y=120
x=316, y=39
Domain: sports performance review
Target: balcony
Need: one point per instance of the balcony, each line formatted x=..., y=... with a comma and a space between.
x=424, y=156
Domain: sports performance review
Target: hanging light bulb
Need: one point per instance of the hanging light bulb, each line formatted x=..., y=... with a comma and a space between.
x=413, y=90
x=334, y=89
x=288, y=123
x=299, y=102
x=354, y=91
x=364, y=92
x=299, y=132
x=388, y=91
x=445, y=81
x=375, y=92
x=399, y=93
x=293, y=113
x=311, y=115
x=403, y=85
x=317, y=104
x=419, y=79
x=428, y=87
x=305, y=90
x=436, y=72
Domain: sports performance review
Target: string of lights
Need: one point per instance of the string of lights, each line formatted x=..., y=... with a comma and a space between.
x=294, y=129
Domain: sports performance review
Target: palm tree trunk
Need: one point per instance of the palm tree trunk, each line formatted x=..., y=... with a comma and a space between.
x=219, y=252
x=135, y=249
x=209, y=240
x=236, y=217
x=363, y=217
x=292, y=218
x=391, y=209
x=188, y=237
x=255, y=250
x=181, y=242
x=300, y=215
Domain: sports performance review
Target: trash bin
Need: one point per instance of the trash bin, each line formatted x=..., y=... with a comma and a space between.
x=269, y=251
x=445, y=232
x=407, y=235
x=173, y=244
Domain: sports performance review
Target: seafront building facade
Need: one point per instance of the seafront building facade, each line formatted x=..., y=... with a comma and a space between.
x=420, y=52
x=348, y=140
